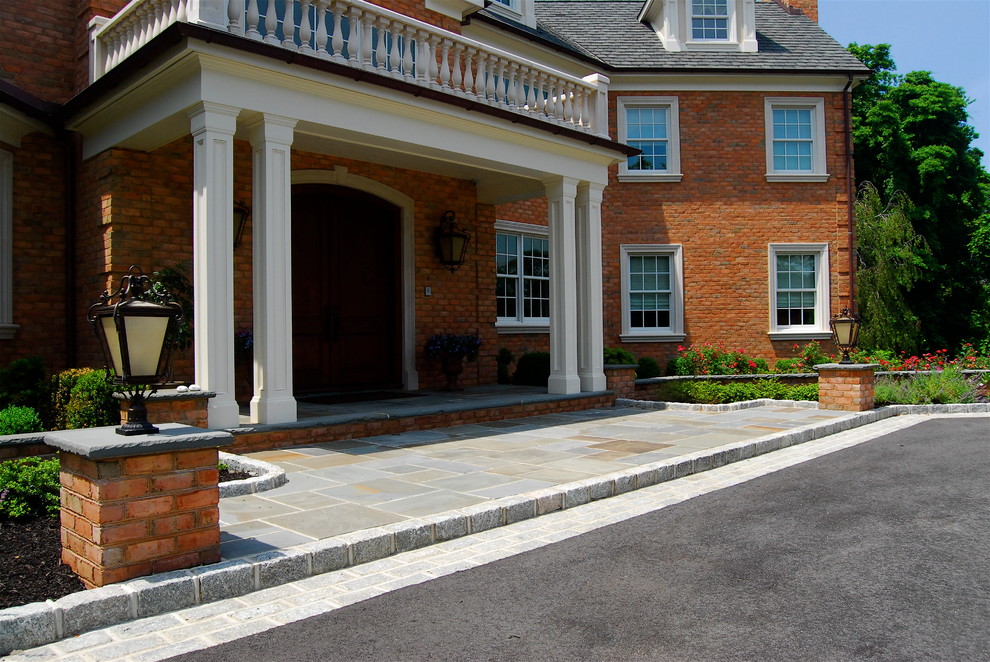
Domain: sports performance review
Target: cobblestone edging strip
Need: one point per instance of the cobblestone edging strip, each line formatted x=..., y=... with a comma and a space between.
x=266, y=476
x=41, y=623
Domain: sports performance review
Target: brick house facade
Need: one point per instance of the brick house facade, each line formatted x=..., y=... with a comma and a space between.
x=127, y=137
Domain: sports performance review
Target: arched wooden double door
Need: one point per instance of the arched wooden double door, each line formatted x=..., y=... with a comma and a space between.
x=346, y=301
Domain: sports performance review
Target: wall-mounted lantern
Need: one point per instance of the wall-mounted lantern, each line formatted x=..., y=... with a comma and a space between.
x=135, y=336
x=451, y=242
x=845, y=329
x=241, y=215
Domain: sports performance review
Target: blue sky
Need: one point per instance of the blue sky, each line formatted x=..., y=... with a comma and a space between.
x=950, y=38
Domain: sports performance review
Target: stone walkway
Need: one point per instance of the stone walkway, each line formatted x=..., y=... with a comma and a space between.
x=341, y=487
x=160, y=637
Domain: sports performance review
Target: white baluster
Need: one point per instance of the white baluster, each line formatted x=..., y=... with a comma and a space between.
x=531, y=93
x=252, y=21
x=271, y=23
x=456, y=75
x=422, y=58
x=367, y=40
x=558, y=107
x=322, y=36
x=289, y=25
x=354, y=35
x=338, y=33
x=381, y=55
x=407, y=53
x=445, y=64
x=181, y=11
x=433, y=61
x=235, y=16
x=469, y=54
x=495, y=82
x=395, y=52
x=481, y=80
x=305, y=27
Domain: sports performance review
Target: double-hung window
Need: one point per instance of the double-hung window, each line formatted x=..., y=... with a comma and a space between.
x=799, y=293
x=522, y=277
x=709, y=20
x=795, y=137
x=650, y=124
x=652, y=292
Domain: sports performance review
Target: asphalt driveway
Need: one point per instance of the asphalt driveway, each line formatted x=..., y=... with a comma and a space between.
x=877, y=552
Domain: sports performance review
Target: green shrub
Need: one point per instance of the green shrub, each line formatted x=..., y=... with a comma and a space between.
x=711, y=392
x=91, y=402
x=504, y=360
x=55, y=416
x=22, y=383
x=648, y=368
x=942, y=387
x=618, y=356
x=787, y=365
x=532, y=369
x=19, y=420
x=29, y=487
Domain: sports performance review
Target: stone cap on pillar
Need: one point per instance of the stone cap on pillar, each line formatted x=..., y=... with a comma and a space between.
x=105, y=443
x=845, y=366
x=168, y=394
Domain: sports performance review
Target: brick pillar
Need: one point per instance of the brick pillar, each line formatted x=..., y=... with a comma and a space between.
x=621, y=380
x=846, y=387
x=170, y=406
x=134, y=506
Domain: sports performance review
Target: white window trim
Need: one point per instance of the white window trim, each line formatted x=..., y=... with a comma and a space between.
x=519, y=10
x=819, y=171
x=673, y=171
x=7, y=327
x=676, y=333
x=820, y=330
x=505, y=325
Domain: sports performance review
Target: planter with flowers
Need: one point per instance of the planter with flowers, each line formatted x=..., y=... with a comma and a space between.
x=452, y=350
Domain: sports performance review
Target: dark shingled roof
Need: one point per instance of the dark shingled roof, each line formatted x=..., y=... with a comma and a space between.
x=608, y=32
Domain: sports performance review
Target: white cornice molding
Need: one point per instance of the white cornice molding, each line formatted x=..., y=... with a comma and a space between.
x=726, y=82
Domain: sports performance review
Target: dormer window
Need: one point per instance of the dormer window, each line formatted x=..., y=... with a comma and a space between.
x=703, y=25
x=709, y=20
x=518, y=10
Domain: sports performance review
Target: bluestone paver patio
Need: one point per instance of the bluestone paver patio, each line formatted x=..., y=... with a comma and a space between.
x=340, y=487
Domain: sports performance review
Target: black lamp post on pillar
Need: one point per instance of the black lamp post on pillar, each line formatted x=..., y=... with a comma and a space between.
x=135, y=335
x=845, y=329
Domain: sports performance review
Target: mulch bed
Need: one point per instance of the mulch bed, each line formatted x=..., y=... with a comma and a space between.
x=31, y=568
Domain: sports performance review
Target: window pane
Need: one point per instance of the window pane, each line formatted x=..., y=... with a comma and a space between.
x=647, y=130
x=796, y=293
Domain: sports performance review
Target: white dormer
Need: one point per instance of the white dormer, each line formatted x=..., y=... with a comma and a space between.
x=518, y=10
x=703, y=25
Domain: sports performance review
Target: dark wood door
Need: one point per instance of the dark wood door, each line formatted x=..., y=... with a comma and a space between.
x=346, y=301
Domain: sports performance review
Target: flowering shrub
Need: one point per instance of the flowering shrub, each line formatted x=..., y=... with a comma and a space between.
x=944, y=386
x=714, y=359
x=450, y=345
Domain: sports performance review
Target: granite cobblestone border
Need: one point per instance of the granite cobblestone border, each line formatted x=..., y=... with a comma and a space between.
x=42, y=623
x=266, y=476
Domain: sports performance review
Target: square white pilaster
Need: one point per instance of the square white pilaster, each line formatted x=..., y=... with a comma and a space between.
x=589, y=287
x=564, y=378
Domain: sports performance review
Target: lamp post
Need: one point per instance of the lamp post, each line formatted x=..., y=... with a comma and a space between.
x=135, y=335
x=451, y=242
x=845, y=330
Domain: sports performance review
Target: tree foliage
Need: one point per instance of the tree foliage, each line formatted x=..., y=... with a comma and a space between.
x=891, y=259
x=912, y=138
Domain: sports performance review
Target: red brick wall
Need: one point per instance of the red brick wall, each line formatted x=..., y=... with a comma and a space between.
x=724, y=213
x=35, y=46
x=38, y=252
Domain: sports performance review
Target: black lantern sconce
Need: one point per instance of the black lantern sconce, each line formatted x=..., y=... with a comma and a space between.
x=241, y=215
x=135, y=335
x=451, y=242
x=845, y=329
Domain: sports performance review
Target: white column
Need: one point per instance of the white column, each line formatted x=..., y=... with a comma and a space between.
x=212, y=127
x=563, y=287
x=589, y=286
x=271, y=141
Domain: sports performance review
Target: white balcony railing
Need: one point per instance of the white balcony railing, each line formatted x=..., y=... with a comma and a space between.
x=364, y=36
